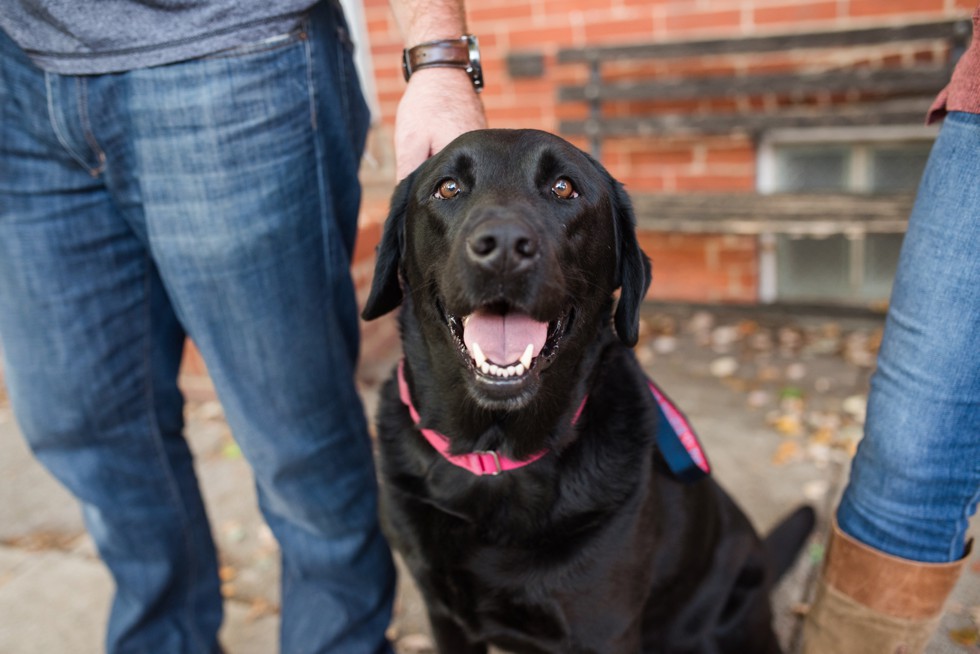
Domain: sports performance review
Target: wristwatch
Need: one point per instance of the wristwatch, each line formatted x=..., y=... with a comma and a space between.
x=463, y=52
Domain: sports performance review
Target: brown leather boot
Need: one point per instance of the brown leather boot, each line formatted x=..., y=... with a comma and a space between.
x=869, y=602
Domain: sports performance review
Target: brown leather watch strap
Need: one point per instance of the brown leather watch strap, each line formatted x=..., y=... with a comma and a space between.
x=454, y=54
x=462, y=53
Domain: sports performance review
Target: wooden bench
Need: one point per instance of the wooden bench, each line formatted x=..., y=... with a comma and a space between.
x=807, y=97
x=838, y=79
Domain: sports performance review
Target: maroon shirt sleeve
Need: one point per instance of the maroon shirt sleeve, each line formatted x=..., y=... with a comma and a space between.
x=963, y=91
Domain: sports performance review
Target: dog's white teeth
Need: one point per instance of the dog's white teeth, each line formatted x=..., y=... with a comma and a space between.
x=527, y=356
x=478, y=355
x=487, y=368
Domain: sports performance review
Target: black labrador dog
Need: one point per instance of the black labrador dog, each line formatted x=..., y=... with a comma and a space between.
x=520, y=480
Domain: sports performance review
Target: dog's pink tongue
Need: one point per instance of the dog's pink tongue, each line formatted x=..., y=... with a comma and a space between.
x=504, y=338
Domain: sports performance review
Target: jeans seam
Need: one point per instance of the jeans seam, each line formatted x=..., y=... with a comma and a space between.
x=311, y=92
x=162, y=456
x=81, y=88
x=52, y=118
x=342, y=71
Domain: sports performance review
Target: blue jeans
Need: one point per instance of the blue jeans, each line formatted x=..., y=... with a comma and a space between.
x=915, y=480
x=215, y=198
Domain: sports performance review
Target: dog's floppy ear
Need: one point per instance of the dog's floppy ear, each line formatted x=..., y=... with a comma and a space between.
x=386, y=291
x=634, y=267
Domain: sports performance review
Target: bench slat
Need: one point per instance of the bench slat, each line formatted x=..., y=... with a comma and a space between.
x=888, y=81
x=903, y=111
x=770, y=43
x=784, y=213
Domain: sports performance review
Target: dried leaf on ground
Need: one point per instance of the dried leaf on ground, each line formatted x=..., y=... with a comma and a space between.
x=260, y=608
x=788, y=424
x=724, y=367
x=787, y=452
x=795, y=371
x=816, y=490
x=233, y=531
x=968, y=636
x=758, y=399
x=415, y=644
x=856, y=406
x=816, y=552
x=231, y=451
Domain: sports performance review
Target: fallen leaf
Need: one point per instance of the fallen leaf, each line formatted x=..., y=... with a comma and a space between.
x=724, y=337
x=701, y=321
x=816, y=490
x=823, y=436
x=260, y=608
x=233, y=531
x=788, y=424
x=795, y=371
x=769, y=374
x=816, y=552
x=967, y=637
x=415, y=644
x=664, y=344
x=645, y=356
x=787, y=452
x=227, y=573
x=856, y=406
x=791, y=392
x=724, y=367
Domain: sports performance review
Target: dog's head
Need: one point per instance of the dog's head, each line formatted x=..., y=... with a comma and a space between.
x=510, y=244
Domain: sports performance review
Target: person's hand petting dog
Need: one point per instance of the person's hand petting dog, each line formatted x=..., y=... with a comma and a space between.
x=439, y=105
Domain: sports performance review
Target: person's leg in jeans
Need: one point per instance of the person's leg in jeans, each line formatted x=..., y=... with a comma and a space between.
x=247, y=167
x=91, y=351
x=239, y=173
x=915, y=480
x=916, y=477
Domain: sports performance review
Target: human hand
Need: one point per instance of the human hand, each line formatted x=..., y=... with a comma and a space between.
x=438, y=105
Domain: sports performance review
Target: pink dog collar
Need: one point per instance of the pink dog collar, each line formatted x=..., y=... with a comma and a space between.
x=675, y=438
x=479, y=463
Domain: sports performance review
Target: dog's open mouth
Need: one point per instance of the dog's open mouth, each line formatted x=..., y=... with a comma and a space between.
x=505, y=345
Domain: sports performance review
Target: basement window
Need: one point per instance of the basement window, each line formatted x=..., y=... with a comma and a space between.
x=850, y=267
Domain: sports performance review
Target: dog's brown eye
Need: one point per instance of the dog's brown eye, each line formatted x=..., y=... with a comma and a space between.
x=563, y=188
x=448, y=189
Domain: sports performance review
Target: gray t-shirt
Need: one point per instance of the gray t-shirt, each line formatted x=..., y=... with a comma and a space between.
x=107, y=36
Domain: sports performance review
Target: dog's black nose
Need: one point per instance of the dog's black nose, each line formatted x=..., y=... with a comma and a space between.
x=502, y=245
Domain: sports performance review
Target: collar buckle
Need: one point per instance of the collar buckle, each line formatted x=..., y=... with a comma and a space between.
x=481, y=457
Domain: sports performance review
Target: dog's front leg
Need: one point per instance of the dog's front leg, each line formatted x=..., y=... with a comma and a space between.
x=450, y=638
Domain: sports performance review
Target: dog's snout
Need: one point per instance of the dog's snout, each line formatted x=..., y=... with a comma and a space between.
x=503, y=245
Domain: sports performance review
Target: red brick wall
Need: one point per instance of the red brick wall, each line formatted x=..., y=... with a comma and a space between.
x=697, y=268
